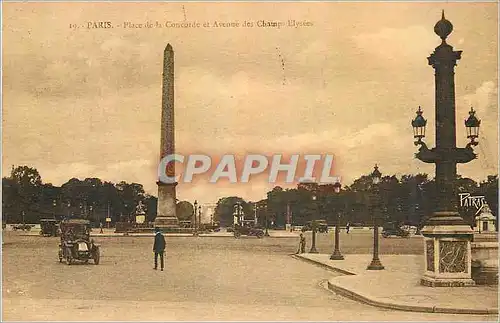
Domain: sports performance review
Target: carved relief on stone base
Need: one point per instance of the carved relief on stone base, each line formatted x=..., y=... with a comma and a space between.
x=453, y=257
x=429, y=245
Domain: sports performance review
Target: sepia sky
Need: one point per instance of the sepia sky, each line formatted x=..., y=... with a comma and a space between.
x=87, y=102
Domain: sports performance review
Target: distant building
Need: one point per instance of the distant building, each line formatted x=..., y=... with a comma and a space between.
x=208, y=212
x=485, y=221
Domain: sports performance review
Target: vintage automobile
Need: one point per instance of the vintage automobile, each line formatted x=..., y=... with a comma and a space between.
x=394, y=229
x=321, y=226
x=23, y=227
x=76, y=244
x=49, y=227
x=246, y=230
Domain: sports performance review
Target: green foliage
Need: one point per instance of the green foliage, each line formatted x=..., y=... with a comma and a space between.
x=184, y=211
x=410, y=199
x=26, y=198
x=225, y=208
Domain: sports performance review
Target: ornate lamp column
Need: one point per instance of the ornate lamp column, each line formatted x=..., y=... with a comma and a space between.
x=375, y=263
x=195, y=227
x=266, y=234
x=199, y=216
x=337, y=255
x=447, y=235
x=313, y=225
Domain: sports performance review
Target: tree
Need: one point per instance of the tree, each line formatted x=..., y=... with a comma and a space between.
x=151, y=203
x=276, y=205
x=466, y=185
x=28, y=183
x=130, y=195
x=225, y=208
x=10, y=201
x=414, y=199
x=184, y=211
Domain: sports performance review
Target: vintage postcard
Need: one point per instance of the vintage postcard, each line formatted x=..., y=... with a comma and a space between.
x=249, y=161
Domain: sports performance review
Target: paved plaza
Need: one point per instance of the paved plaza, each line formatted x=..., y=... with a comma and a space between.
x=206, y=278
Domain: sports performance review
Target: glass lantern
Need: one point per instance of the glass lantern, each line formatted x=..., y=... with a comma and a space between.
x=472, y=125
x=418, y=125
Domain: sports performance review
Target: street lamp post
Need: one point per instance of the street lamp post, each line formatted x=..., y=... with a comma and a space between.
x=255, y=215
x=375, y=263
x=337, y=255
x=199, y=216
x=446, y=232
x=54, y=204
x=68, y=205
x=266, y=234
x=313, y=225
x=194, y=217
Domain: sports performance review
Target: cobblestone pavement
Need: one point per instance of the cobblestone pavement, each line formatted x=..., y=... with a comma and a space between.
x=205, y=279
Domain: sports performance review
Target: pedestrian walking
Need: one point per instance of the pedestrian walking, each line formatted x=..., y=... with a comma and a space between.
x=100, y=226
x=347, y=227
x=302, y=244
x=159, y=248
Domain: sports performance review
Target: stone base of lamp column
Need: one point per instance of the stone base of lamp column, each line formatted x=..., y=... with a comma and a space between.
x=447, y=242
x=485, y=262
x=336, y=256
x=166, y=214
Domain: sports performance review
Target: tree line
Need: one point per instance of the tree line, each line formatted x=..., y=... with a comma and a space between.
x=407, y=199
x=27, y=199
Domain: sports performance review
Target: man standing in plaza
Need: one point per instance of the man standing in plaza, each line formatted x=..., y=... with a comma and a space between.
x=159, y=248
x=302, y=244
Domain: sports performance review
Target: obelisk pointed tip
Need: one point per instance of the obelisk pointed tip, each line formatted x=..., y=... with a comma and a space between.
x=169, y=48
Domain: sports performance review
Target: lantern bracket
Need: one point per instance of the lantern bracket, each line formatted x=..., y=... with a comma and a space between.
x=425, y=154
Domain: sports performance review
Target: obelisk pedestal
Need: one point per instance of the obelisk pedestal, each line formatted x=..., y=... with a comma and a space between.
x=166, y=214
x=166, y=211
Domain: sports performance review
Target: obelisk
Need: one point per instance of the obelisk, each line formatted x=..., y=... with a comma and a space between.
x=166, y=216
